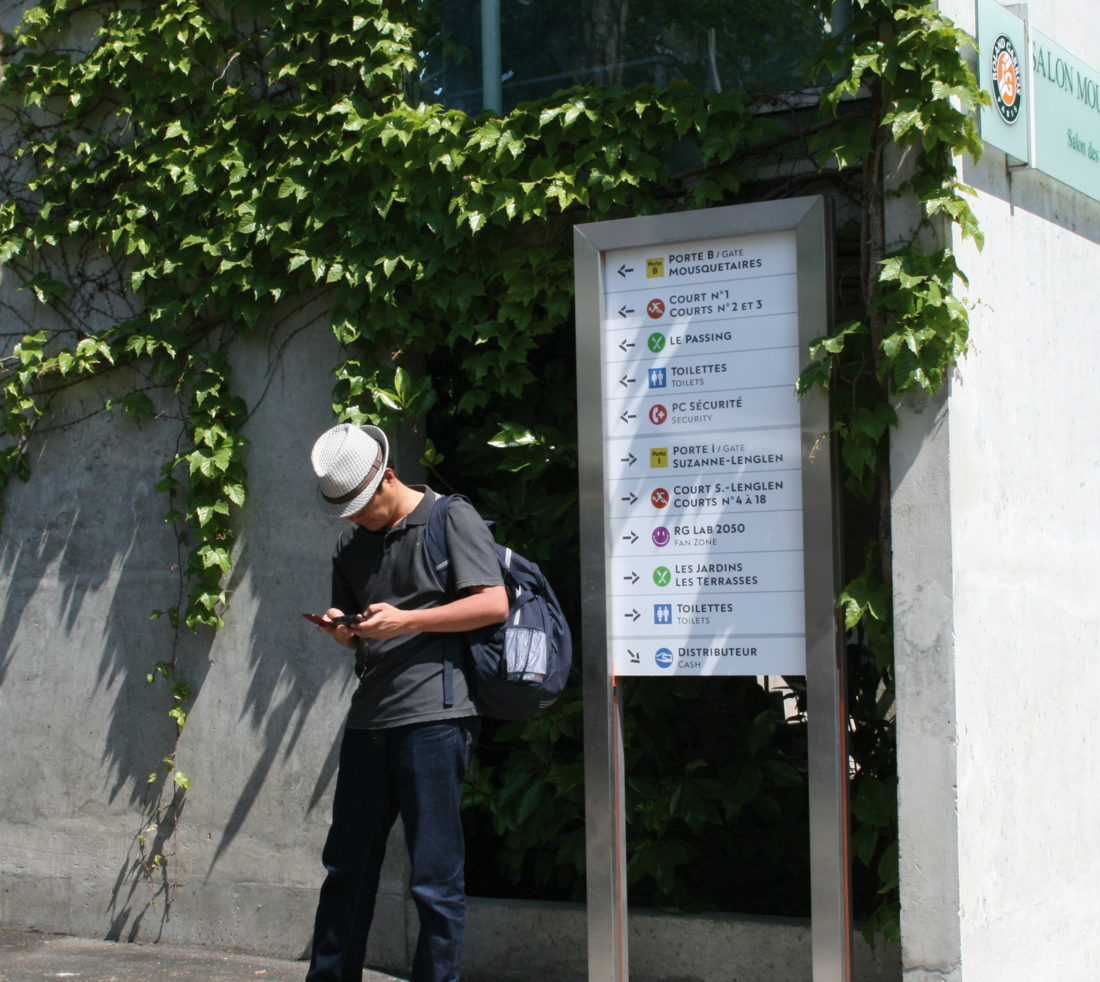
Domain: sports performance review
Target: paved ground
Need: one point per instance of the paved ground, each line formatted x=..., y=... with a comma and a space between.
x=29, y=957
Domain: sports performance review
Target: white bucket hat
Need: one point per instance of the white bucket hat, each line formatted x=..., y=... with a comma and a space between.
x=350, y=462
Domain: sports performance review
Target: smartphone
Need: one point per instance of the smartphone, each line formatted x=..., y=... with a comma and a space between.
x=346, y=619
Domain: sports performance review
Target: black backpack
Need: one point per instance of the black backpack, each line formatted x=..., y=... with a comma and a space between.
x=522, y=665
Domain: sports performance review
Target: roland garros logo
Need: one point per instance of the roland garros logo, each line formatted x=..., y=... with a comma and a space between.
x=1006, y=79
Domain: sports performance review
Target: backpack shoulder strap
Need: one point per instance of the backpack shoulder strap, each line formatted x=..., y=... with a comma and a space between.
x=435, y=542
x=435, y=545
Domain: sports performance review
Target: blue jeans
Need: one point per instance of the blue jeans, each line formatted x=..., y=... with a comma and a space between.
x=415, y=771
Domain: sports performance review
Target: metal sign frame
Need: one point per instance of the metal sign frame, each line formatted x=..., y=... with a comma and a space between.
x=809, y=219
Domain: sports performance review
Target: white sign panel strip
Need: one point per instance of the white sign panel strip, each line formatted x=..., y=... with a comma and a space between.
x=654, y=575
x=691, y=498
x=686, y=354
x=710, y=656
x=707, y=617
x=688, y=306
x=684, y=535
x=719, y=411
x=724, y=455
x=700, y=263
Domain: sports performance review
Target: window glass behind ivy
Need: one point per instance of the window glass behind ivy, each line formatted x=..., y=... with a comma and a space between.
x=547, y=45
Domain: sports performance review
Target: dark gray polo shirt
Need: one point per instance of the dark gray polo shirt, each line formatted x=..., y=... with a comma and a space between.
x=401, y=679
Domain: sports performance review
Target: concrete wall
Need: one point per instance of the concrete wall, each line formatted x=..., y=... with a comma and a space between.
x=518, y=941
x=84, y=558
x=996, y=560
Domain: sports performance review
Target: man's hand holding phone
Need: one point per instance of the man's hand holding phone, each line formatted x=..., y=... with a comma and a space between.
x=337, y=624
x=326, y=621
x=378, y=622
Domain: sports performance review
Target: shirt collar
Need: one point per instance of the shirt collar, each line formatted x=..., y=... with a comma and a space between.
x=419, y=515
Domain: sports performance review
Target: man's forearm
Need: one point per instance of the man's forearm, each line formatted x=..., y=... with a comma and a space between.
x=480, y=607
x=487, y=606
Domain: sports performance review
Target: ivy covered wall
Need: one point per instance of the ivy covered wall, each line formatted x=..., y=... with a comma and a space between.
x=186, y=182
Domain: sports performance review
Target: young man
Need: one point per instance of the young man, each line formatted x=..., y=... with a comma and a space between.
x=412, y=722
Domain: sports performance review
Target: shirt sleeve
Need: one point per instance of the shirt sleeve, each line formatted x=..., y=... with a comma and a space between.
x=470, y=548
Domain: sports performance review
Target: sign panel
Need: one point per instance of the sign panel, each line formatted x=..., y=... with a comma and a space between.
x=706, y=513
x=1003, y=72
x=1044, y=101
x=1067, y=116
x=702, y=451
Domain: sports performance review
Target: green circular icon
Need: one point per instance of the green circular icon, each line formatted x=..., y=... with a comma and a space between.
x=656, y=342
x=662, y=576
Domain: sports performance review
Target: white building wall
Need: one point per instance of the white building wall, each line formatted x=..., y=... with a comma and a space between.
x=1025, y=478
x=1011, y=779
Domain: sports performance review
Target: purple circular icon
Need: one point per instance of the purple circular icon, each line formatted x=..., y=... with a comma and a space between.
x=661, y=536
